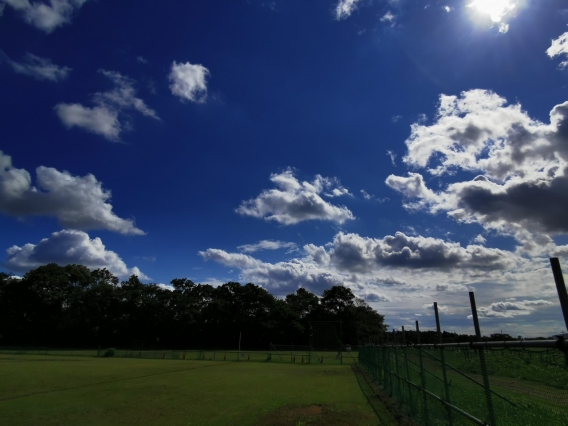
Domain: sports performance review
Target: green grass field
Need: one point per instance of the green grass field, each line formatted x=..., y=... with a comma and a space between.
x=70, y=390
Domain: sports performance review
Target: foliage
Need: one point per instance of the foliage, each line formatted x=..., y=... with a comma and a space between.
x=109, y=353
x=71, y=306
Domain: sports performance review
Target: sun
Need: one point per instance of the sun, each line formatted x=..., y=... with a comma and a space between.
x=496, y=9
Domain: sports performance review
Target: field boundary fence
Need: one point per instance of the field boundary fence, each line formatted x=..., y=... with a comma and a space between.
x=515, y=382
x=276, y=355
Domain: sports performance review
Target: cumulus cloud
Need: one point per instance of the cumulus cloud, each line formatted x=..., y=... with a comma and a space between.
x=77, y=202
x=338, y=192
x=345, y=8
x=480, y=239
x=46, y=16
x=281, y=277
x=393, y=263
x=189, y=81
x=351, y=252
x=67, y=247
x=559, y=47
x=294, y=201
x=37, y=67
x=267, y=245
x=373, y=296
x=510, y=309
x=110, y=108
x=521, y=187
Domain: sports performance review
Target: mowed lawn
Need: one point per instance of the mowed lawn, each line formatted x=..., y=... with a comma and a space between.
x=49, y=390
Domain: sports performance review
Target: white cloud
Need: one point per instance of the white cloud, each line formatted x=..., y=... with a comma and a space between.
x=392, y=156
x=393, y=264
x=37, y=67
x=352, y=262
x=189, y=81
x=46, y=16
x=104, y=118
x=447, y=9
x=428, y=306
x=100, y=119
x=281, y=277
x=123, y=96
x=388, y=17
x=495, y=9
x=345, y=8
x=480, y=239
x=293, y=201
x=168, y=287
x=510, y=309
x=559, y=46
x=521, y=187
x=366, y=195
x=353, y=253
x=267, y=245
x=68, y=247
x=338, y=191
x=78, y=202
x=503, y=28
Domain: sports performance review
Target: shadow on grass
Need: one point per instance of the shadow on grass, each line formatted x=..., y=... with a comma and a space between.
x=383, y=405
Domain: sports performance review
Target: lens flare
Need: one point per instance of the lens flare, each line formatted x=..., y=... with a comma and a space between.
x=496, y=9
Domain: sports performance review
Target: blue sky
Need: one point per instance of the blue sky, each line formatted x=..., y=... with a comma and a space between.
x=410, y=150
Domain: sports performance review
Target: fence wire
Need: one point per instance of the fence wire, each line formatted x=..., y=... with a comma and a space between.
x=466, y=386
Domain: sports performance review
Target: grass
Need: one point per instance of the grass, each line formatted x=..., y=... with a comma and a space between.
x=54, y=390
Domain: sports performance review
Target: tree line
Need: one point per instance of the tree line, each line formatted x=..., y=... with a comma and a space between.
x=73, y=306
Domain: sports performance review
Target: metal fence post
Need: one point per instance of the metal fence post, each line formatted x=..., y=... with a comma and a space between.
x=399, y=394
x=442, y=357
x=422, y=376
x=560, y=287
x=482, y=360
x=410, y=403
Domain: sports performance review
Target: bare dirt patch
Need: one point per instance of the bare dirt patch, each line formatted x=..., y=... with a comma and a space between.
x=313, y=415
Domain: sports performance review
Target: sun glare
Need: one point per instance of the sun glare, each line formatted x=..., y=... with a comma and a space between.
x=496, y=9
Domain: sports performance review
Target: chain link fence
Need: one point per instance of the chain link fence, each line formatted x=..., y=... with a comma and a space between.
x=469, y=383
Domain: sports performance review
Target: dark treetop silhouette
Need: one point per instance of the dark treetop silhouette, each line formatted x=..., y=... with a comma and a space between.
x=72, y=306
